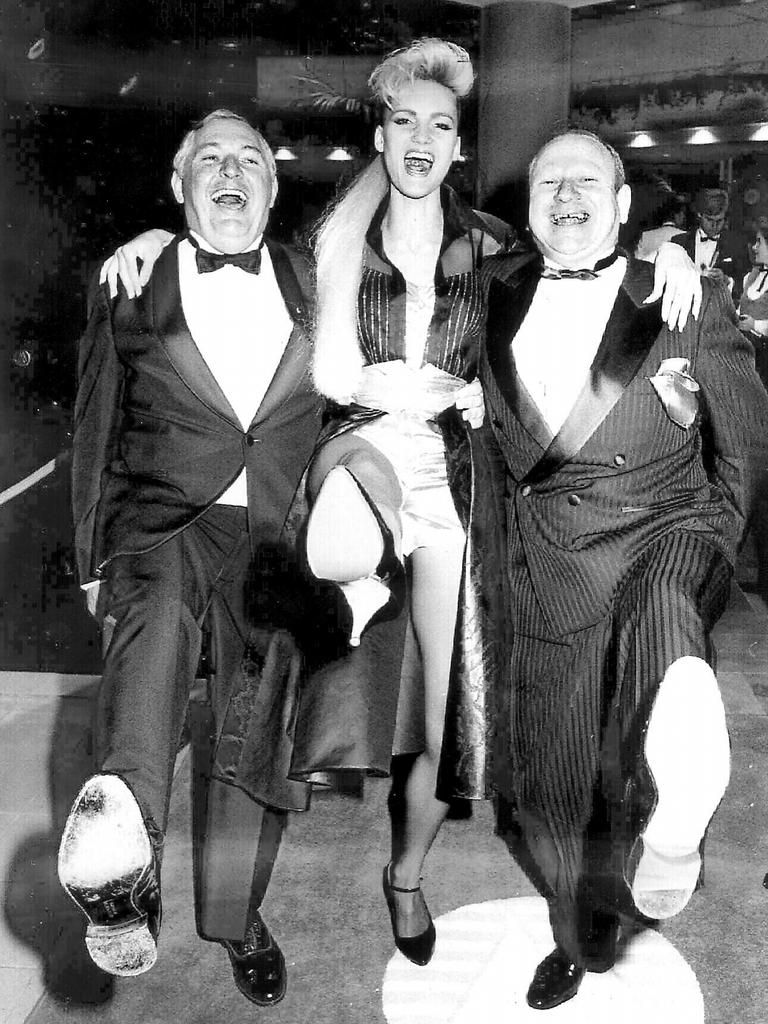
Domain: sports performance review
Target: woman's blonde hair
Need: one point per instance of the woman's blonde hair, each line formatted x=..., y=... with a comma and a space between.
x=339, y=238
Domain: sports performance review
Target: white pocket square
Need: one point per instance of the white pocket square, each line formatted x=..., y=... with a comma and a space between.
x=677, y=391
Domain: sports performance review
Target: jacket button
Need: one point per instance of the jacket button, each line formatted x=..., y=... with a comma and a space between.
x=574, y=499
x=526, y=490
x=250, y=440
x=619, y=459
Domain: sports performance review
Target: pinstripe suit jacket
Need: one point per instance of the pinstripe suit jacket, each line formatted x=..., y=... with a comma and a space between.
x=582, y=506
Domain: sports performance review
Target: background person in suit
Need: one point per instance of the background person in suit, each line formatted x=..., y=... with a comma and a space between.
x=670, y=220
x=753, y=321
x=715, y=249
x=195, y=419
x=624, y=450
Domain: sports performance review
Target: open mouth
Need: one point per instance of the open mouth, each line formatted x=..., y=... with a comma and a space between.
x=230, y=198
x=418, y=163
x=567, y=220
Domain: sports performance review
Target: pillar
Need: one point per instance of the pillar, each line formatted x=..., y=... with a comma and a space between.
x=523, y=95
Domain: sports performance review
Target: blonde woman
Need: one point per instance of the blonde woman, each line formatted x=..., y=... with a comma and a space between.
x=399, y=316
x=398, y=325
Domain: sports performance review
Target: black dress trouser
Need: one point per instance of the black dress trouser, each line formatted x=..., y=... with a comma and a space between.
x=157, y=609
x=579, y=711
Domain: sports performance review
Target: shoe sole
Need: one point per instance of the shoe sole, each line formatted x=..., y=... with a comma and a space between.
x=344, y=540
x=688, y=753
x=103, y=852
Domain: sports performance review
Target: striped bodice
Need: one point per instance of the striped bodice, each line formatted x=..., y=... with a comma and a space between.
x=454, y=330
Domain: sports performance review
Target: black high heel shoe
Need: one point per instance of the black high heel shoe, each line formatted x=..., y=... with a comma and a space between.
x=416, y=948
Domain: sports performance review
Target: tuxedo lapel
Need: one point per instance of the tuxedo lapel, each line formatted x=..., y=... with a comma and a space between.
x=294, y=364
x=171, y=328
x=508, y=305
x=629, y=334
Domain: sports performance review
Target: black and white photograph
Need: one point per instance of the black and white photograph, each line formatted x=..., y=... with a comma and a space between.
x=384, y=511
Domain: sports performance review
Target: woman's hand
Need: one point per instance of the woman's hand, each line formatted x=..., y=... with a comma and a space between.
x=471, y=403
x=676, y=281
x=124, y=263
x=747, y=324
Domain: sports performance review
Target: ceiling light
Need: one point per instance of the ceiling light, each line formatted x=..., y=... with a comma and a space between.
x=759, y=132
x=284, y=153
x=702, y=137
x=641, y=141
x=340, y=153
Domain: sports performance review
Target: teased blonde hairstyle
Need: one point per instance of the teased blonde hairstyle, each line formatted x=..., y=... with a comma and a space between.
x=339, y=239
x=430, y=60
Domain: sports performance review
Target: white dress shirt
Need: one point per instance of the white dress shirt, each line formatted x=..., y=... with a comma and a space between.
x=648, y=246
x=704, y=251
x=559, y=337
x=241, y=327
x=755, y=290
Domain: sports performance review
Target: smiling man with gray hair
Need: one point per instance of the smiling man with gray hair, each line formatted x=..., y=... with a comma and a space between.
x=194, y=421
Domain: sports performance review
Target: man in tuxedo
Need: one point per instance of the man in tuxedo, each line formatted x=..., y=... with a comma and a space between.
x=194, y=421
x=624, y=451
x=715, y=249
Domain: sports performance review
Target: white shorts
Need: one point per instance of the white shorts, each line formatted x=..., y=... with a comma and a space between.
x=414, y=446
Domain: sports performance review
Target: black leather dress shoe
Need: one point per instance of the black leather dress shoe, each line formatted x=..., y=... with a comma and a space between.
x=416, y=948
x=258, y=965
x=109, y=867
x=556, y=980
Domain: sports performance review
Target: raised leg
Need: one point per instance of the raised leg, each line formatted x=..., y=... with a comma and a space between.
x=353, y=527
x=688, y=753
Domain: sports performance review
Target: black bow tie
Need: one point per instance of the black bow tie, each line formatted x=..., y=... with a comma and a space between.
x=708, y=238
x=585, y=274
x=207, y=262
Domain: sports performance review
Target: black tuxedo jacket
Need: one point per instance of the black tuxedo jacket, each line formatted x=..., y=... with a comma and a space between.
x=731, y=255
x=156, y=441
x=582, y=506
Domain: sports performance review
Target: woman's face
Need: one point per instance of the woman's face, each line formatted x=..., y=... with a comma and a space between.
x=760, y=249
x=419, y=138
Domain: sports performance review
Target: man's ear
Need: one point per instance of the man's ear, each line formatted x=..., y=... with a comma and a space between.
x=274, y=192
x=457, y=148
x=176, y=186
x=624, y=201
x=378, y=139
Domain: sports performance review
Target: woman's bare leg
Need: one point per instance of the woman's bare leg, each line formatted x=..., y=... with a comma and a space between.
x=417, y=817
